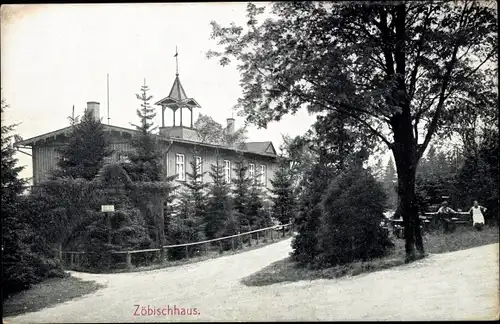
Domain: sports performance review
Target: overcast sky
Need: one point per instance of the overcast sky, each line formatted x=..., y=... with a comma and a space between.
x=56, y=56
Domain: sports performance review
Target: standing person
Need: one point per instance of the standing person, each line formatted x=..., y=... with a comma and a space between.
x=477, y=215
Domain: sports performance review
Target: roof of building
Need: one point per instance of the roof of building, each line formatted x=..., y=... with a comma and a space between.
x=177, y=97
x=260, y=148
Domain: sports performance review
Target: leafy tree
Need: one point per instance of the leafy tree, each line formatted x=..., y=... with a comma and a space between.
x=415, y=59
x=299, y=150
x=212, y=132
x=209, y=131
x=283, y=199
x=84, y=152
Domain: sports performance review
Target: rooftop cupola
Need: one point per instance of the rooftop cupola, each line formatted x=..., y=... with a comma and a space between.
x=177, y=100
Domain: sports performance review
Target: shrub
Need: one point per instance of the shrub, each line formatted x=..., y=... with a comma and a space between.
x=307, y=219
x=350, y=222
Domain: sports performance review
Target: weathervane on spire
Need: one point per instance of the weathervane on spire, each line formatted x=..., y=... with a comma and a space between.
x=176, y=62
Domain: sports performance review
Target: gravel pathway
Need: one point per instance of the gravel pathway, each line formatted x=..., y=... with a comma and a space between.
x=452, y=286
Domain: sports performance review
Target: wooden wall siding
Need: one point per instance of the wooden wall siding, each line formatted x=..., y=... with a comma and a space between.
x=45, y=160
x=120, y=148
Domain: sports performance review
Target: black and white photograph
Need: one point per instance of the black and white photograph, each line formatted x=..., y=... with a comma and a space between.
x=250, y=161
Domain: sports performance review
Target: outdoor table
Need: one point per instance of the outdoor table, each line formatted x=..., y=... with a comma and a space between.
x=447, y=221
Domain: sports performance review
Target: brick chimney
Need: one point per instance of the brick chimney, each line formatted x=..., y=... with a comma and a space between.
x=93, y=106
x=230, y=126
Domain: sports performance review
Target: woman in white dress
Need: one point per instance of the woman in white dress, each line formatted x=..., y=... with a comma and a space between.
x=477, y=215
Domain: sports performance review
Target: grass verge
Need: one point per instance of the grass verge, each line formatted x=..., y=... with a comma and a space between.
x=287, y=270
x=47, y=293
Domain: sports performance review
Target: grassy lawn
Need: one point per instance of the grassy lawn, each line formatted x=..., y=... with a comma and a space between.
x=286, y=270
x=47, y=293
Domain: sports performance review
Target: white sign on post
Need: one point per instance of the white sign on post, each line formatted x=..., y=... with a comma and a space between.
x=107, y=208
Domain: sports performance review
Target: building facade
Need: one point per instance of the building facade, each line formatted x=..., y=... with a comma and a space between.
x=179, y=144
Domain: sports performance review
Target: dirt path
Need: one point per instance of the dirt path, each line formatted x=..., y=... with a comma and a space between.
x=459, y=285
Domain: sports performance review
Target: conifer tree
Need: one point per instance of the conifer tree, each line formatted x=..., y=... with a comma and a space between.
x=145, y=161
x=82, y=156
x=283, y=201
x=197, y=188
x=145, y=165
x=241, y=192
x=257, y=215
x=390, y=184
x=191, y=209
x=17, y=273
x=219, y=210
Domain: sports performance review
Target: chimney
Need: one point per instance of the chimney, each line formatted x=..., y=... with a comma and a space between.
x=230, y=126
x=93, y=106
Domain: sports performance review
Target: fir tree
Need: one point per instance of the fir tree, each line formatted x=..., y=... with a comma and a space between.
x=145, y=161
x=314, y=184
x=283, y=201
x=145, y=165
x=187, y=223
x=16, y=272
x=82, y=156
x=219, y=210
x=241, y=193
x=196, y=189
x=24, y=257
x=257, y=216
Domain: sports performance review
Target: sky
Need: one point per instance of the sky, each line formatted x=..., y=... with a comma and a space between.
x=58, y=55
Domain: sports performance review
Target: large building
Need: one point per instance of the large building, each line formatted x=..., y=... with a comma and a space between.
x=180, y=144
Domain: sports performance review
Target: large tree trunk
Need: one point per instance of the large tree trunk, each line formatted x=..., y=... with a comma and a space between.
x=405, y=143
x=406, y=159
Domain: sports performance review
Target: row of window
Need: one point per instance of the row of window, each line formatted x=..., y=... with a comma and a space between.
x=181, y=170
